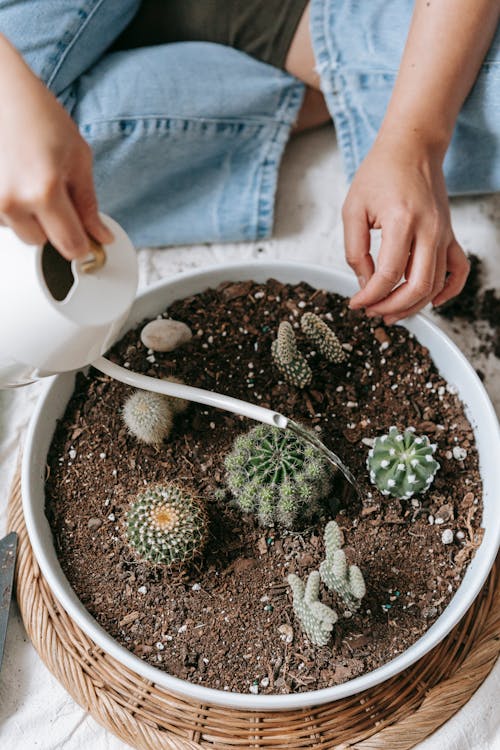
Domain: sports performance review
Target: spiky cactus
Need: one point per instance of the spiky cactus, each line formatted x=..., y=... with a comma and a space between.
x=402, y=463
x=166, y=525
x=323, y=338
x=278, y=476
x=316, y=618
x=288, y=359
x=346, y=580
x=148, y=416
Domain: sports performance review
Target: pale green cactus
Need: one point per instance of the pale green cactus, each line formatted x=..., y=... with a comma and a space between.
x=166, y=525
x=277, y=476
x=402, y=464
x=346, y=580
x=288, y=359
x=322, y=337
x=316, y=618
x=148, y=416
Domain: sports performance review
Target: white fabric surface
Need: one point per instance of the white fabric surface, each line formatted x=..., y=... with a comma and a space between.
x=35, y=711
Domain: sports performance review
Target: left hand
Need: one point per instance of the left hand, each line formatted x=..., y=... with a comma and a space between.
x=400, y=189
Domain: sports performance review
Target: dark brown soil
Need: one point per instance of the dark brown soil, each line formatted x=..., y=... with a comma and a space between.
x=228, y=622
x=481, y=309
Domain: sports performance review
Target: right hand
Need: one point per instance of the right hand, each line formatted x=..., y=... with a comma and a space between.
x=46, y=184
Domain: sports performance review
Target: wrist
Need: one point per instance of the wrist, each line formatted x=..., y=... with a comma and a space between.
x=421, y=143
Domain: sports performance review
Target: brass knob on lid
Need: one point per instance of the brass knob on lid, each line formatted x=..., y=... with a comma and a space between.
x=96, y=260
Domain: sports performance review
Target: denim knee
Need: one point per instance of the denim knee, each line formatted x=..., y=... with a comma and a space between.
x=60, y=39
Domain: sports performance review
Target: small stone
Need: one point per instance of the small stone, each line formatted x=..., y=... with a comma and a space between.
x=447, y=536
x=460, y=535
x=460, y=454
x=72, y=454
x=254, y=689
x=160, y=646
x=195, y=587
x=142, y=590
x=165, y=335
x=286, y=633
x=94, y=523
x=264, y=682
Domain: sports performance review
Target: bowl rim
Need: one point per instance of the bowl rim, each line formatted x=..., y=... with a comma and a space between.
x=213, y=696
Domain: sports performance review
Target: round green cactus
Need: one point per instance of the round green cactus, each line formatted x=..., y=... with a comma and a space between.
x=277, y=476
x=166, y=525
x=402, y=464
x=148, y=416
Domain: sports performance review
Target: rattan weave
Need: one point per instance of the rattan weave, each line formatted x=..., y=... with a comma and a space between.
x=394, y=716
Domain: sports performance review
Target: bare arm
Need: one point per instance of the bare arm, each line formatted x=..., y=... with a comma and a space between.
x=46, y=186
x=400, y=186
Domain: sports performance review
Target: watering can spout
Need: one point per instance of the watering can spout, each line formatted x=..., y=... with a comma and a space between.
x=58, y=315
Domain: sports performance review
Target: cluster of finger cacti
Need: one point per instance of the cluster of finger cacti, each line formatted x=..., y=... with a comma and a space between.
x=150, y=416
x=277, y=476
x=402, y=463
x=291, y=362
x=316, y=618
x=166, y=525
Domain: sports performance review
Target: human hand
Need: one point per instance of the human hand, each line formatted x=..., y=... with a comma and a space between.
x=46, y=184
x=400, y=189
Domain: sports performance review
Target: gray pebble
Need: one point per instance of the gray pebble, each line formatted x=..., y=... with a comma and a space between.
x=94, y=523
x=165, y=335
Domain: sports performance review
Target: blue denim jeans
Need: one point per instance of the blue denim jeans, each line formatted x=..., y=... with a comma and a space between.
x=188, y=137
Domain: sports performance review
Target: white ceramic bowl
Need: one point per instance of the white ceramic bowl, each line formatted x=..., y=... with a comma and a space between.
x=450, y=362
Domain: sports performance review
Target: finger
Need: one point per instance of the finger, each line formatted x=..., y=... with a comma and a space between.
x=84, y=199
x=439, y=281
x=26, y=227
x=63, y=226
x=420, y=277
x=391, y=264
x=357, y=245
x=458, y=267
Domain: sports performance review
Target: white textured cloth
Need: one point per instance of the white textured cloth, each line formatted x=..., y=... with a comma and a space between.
x=35, y=712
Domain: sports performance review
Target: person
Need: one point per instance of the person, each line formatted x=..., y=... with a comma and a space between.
x=175, y=116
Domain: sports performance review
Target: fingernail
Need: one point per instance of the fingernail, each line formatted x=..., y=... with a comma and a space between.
x=362, y=281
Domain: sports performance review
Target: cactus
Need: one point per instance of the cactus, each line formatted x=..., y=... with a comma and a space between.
x=288, y=359
x=346, y=580
x=322, y=337
x=278, y=476
x=316, y=618
x=177, y=405
x=166, y=525
x=401, y=464
x=148, y=416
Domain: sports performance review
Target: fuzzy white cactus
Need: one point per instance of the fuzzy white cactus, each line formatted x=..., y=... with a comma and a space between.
x=316, y=618
x=148, y=416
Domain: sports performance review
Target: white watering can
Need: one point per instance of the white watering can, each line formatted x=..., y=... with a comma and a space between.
x=57, y=316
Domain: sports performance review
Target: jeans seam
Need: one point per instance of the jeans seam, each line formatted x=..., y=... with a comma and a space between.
x=67, y=48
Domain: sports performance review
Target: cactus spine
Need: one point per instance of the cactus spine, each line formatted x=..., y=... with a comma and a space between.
x=288, y=359
x=166, y=525
x=316, y=618
x=278, y=476
x=402, y=464
x=346, y=580
x=323, y=338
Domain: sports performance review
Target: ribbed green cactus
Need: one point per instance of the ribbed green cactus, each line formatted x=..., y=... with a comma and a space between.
x=323, y=338
x=402, y=464
x=166, y=525
x=316, y=618
x=288, y=359
x=148, y=416
x=278, y=476
x=346, y=580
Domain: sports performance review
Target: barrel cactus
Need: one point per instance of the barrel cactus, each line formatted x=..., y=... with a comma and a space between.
x=291, y=363
x=322, y=337
x=317, y=619
x=346, y=580
x=166, y=525
x=278, y=476
x=148, y=416
x=402, y=463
